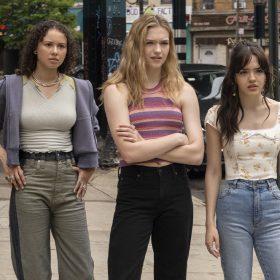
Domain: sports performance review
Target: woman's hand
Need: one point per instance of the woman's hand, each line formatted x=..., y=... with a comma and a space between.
x=212, y=241
x=15, y=176
x=129, y=133
x=84, y=175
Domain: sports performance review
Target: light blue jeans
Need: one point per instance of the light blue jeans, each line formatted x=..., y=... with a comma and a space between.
x=248, y=216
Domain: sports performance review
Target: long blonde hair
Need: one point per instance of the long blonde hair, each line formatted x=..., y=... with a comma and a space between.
x=132, y=68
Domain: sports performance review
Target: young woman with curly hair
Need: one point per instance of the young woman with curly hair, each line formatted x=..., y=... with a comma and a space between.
x=49, y=154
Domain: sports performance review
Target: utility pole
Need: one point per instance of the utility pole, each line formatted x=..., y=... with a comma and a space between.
x=237, y=21
x=273, y=44
x=104, y=33
x=259, y=15
x=141, y=7
x=179, y=26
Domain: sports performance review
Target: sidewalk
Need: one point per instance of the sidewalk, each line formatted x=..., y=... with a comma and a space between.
x=100, y=203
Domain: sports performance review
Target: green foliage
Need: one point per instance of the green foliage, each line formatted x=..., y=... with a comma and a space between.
x=21, y=15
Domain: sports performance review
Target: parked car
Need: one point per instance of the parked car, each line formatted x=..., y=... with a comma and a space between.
x=78, y=71
x=206, y=79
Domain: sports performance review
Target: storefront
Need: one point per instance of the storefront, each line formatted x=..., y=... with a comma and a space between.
x=214, y=34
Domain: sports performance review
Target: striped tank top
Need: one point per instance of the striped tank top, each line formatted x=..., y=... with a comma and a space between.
x=159, y=117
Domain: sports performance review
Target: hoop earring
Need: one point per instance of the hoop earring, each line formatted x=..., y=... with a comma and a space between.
x=35, y=52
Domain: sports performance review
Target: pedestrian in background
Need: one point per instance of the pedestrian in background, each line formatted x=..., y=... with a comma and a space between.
x=148, y=106
x=48, y=121
x=246, y=126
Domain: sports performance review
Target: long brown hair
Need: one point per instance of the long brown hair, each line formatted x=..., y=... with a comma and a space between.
x=227, y=115
x=132, y=68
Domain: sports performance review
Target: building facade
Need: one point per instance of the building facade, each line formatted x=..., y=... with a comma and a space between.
x=217, y=24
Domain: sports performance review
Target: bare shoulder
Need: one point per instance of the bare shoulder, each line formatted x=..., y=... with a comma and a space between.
x=119, y=91
x=188, y=87
x=187, y=94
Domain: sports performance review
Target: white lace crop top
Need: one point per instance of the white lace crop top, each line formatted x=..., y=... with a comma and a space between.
x=252, y=155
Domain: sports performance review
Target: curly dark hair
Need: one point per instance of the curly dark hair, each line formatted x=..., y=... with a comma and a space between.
x=227, y=115
x=29, y=59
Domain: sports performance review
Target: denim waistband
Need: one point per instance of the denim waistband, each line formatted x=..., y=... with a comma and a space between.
x=49, y=156
x=174, y=168
x=270, y=182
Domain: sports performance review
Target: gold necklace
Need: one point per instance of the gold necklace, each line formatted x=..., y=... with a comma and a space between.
x=44, y=84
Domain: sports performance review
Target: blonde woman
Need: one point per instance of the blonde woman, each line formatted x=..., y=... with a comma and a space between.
x=148, y=106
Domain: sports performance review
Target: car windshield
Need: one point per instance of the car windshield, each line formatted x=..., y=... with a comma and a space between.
x=203, y=83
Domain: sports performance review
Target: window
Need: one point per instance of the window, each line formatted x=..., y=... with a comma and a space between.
x=166, y=1
x=208, y=4
x=241, y=4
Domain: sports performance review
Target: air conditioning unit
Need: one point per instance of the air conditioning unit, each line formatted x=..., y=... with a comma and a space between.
x=242, y=5
x=208, y=6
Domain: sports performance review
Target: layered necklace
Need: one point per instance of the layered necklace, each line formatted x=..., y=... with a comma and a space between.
x=46, y=84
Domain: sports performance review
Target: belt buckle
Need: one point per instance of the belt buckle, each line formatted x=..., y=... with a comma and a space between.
x=57, y=156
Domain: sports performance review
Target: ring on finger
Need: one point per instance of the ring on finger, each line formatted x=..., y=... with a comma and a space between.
x=9, y=178
x=84, y=187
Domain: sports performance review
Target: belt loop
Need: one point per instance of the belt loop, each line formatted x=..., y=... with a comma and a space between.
x=140, y=172
x=234, y=183
x=57, y=156
x=38, y=164
x=173, y=166
x=270, y=184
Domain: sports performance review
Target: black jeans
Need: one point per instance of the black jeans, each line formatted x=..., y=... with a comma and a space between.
x=151, y=202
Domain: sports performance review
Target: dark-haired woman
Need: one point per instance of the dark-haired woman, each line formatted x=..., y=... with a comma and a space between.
x=48, y=121
x=246, y=126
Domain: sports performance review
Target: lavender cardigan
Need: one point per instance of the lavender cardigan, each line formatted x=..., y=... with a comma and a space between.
x=83, y=132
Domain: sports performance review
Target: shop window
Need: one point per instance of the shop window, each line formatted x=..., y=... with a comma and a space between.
x=208, y=4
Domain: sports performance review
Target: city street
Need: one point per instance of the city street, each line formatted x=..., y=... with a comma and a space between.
x=100, y=203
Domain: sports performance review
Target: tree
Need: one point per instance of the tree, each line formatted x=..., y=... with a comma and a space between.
x=19, y=16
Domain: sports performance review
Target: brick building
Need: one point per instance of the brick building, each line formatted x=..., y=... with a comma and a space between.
x=214, y=27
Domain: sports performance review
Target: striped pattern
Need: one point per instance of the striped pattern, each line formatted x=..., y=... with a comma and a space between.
x=159, y=117
x=180, y=42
